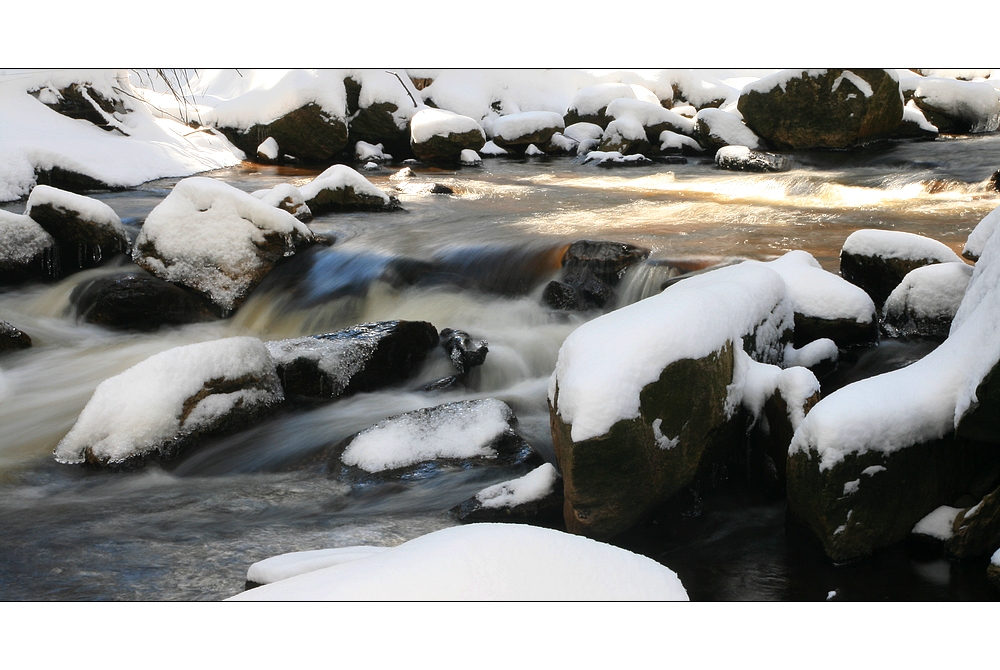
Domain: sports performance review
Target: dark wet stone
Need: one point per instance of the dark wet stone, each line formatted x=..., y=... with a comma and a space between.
x=12, y=339
x=547, y=510
x=137, y=300
x=309, y=133
x=463, y=352
x=752, y=161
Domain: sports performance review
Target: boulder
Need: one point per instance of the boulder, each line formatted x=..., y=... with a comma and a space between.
x=925, y=302
x=84, y=102
x=777, y=420
x=976, y=529
x=340, y=188
x=958, y=107
x=591, y=270
x=136, y=300
x=464, y=433
x=381, y=123
x=216, y=239
x=878, y=260
x=652, y=117
x=716, y=128
x=268, y=151
x=586, y=135
x=440, y=136
x=699, y=90
x=744, y=159
x=980, y=234
x=520, y=130
x=875, y=457
x=359, y=359
x=86, y=231
x=287, y=198
x=672, y=143
x=644, y=397
x=625, y=136
x=310, y=133
x=172, y=401
x=535, y=497
x=12, y=339
x=914, y=125
x=561, y=145
x=590, y=103
x=608, y=159
x=27, y=251
x=823, y=109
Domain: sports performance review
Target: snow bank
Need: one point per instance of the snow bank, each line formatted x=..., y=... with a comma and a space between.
x=897, y=244
x=136, y=412
x=205, y=235
x=486, y=562
x=980, y=234
x=467, y=429
x=36, y=137
x=428, y=123
x=535, y=485
x=605, y=363
x=338, y=177
x=592, y=99
x=923, y=401
x=814, y=292
x=525, y=123
x=648, y=114
x=297, y=563
x=930, y=292
x=938, y=524
x=21, y=239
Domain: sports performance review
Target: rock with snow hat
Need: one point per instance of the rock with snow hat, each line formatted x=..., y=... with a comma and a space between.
x=716, y=128
x=27, y=251
x=823, y=109
x=925, y=302
x=340, y=188
x=589, y=104
x=440, y=136
x=310, y=133
x=536, y=497
x=744, y=159
x=524, y=128
x=957, y=107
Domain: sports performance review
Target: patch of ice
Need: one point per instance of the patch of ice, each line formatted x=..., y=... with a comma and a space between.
x=133, y=413
x=486, y=562
x=939, y=523
x=465, y=429
x=535, y=485
x=297, y=563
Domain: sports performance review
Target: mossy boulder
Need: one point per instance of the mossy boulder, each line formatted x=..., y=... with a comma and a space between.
x=845, y=332
x=878, y=275
x=871, y=500
x=447, y=149
x=611, y=481
x=309, y=133
x=976, y=529
x=823, y=109
x=87, y=232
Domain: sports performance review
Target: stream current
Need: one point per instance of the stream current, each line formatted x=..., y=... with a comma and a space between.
x=189, y=530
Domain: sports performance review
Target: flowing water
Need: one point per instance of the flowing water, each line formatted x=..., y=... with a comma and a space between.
x=477, y=260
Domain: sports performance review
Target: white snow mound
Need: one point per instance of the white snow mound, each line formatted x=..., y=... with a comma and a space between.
x=21, y=239
x=977, y=238
x=535, y=485
x=814, y=292
x=930, y=292
x=430, y=122
x=339, y=177
x=296, y=563
x=486, y=562
x=897, y=244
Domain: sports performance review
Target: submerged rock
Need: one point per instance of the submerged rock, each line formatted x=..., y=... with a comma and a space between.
x=216, y=240
x=171, y=401
x=823, y=109
x=744, y=159
x=535, y=497
x=12, y=338
x=359, y=359
x=469, y=432
x=137, y=300
x=310, y=133
x=878, y=260
x=86, y=231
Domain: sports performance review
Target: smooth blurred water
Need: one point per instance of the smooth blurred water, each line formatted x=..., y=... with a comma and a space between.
x=477, y=261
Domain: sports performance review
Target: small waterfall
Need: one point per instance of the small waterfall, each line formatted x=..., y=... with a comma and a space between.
x=642, y=281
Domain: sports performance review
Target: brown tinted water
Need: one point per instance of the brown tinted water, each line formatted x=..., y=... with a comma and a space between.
x=190, y=530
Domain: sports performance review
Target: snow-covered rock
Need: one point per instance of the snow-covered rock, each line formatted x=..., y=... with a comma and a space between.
x=639, y=395
x=86, y=230
x=877, y=260
x=12, y=338
x=698, y=89
x=925, y=434
x=625, y=136
x=825, y=305
x=486, y=562
x=469, y=157
x=340, y=188
x=440, y=136
x=651, y=116
x=745, y=159
x=674, y=143
x=268, y=150
x=297, y=563
x=926, y=301
x=526, y=128
x=958, y=106
x=914, y=124
x=365, y=152
x=980, y=234
x=466, y=432
x=535, y=497
x=823, y=109
x=717, y=128
x=490, y=149
x=590, y=103
x=26, y=250
x=560, y=144
x=939, y=524
x=608, y=159
x=587, y=134
x=310, y=133
x=288, y=198
x=216, y=239
x=359, y=359
x=170, y=401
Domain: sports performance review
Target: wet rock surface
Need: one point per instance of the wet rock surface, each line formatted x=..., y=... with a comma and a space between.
x=12, y=339
x=591, y=270
x=309, y=133
x=138, y=300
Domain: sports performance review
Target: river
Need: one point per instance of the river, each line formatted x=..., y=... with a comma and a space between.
x=190, y=530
